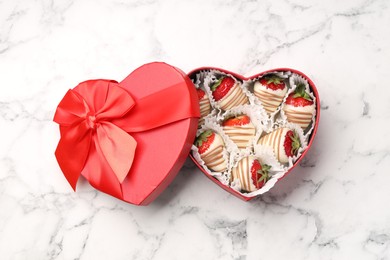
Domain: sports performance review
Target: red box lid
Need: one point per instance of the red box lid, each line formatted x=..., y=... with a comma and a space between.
x=160, y=126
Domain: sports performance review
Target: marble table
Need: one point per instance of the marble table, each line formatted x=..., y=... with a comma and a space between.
x=335, y=205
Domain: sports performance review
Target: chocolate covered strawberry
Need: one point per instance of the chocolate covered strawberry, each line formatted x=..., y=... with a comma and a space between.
x=204, y=103
x=284, y=142
x=270, y=90
x=228, y=93
x=251, y=173
x=240, y=129
x=299, y=107
x=211, y=148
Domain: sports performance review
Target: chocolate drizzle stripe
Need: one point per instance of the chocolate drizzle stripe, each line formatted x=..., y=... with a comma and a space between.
x=230, y=97
x=274, y=135
x=277, y=146
x=235, y=98
x=233, y=134
x=269, y=101
x=240, y=135
x=268, y=97
x=242, y=139
x=215, y=158
x=296, y=112
x=204, y=107
x=298, y=119
x=214, y=153
x=244, y=172
x=240, y=100
x=239, y=174
x=216, y=162
x=301, y=118
x=239, y=130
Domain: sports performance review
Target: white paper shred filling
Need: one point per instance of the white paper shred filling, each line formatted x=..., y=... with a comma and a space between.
x=264, y=124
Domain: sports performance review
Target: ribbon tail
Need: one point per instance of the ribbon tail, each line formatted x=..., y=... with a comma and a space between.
x=72, y=153
x=118, y=148
x=99, y=173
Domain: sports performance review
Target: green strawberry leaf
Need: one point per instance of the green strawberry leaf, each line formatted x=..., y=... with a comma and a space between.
x=264, y=172
x=266, y=167
x=216, y=84
x=203, y=138
x=307, y=96
x=262, y=178
x=296, y=144
x=300, y=91
x=274, y=79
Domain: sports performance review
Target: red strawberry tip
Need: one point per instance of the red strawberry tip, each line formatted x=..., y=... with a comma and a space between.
x=291, y=143
x=222, y=87
x=236, y=120
x=201, y=93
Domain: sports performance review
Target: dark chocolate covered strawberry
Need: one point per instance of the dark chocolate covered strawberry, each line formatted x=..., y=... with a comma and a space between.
x=270, y=90
x=251, y=173
x=228, y=93
x=284, y=142
x=240, y=129
x=299, y=107
x=211, y=148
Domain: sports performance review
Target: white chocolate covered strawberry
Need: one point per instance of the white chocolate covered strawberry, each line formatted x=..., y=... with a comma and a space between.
x=251, y=173
x=240, y=129
x=284, y=142
x=299, y=107
x=270, y=90
x=228, y=93
x=211, y=148
x=204, y=103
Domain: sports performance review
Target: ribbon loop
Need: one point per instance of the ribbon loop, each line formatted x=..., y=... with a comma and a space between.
x=71, y=109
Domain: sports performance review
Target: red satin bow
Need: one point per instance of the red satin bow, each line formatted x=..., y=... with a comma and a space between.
x=84, y=115
x=95, y=119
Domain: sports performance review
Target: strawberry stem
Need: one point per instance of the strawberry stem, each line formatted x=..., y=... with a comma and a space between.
x=296, y=144
x=216, y=84
x=300, y=91
x=203, y=137
x=264, y=172
x=274, y=79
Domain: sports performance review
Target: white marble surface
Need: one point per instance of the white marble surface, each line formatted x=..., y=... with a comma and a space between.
x=335, y=205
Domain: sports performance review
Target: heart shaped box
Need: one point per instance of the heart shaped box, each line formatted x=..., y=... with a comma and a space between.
x=238, y=76
x=162, y=151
